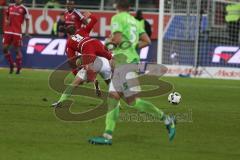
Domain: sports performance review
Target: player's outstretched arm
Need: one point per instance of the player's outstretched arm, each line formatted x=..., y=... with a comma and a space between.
x=71, y=58
x=27, y=28
x=93, y=21
x=144, y=40
x=6, y=19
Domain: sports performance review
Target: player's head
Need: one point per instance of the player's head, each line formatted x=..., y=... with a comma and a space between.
x=18, y=2
x=122, y=5
x=61, y=16
x=71, y=29
x=139, y=15
x=70, y=5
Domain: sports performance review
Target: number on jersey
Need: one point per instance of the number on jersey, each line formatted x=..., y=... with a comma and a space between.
x=77, y=37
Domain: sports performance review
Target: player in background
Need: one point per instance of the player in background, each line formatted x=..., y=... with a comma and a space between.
x=125, y=28
x=73, y=16
x=84, y=22
x=84, y=31
x=93, y=53
x=15, y=16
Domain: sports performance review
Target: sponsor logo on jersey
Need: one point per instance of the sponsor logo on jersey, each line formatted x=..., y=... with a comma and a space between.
x=21, y=10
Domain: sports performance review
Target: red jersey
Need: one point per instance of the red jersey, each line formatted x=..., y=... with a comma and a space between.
x=88, y=47
x=86, y=29
x=83, y=31
x=16, y=15
x=73, y=18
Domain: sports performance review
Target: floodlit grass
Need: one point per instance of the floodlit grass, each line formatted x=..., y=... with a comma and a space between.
x=29, y=129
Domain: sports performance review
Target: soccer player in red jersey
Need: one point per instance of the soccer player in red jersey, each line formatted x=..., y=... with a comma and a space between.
x=81, y=22
x=73, y=16
x=84, y=31
x=14, y=19
x=87, y=46
x=94, y=59
x=83, y=25
x=87, y=27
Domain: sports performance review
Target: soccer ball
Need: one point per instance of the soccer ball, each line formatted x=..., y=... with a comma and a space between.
x=174, y=98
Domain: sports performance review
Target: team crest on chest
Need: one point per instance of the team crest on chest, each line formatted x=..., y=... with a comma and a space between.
x=21, y=10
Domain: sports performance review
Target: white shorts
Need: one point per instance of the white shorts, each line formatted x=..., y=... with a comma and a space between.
x=124, y=85
x=101, y=66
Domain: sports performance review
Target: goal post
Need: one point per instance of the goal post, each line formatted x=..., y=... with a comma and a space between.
x=160, y=31
x=199, y=34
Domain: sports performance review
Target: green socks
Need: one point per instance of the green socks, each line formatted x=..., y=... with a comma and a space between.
x=141, y=105
x=67, y=93
x=148, y=107
x=112, y=115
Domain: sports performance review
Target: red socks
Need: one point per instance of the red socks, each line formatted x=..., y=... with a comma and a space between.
x=19, y=63
x=9, y=59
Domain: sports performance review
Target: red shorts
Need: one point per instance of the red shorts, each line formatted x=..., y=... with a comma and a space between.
x=12, y=39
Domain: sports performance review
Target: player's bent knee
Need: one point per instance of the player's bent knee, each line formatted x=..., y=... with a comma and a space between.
x=82, y=74
x=132, y=100
x=5, y=49
x=114, y=95
x=18, y=52
x=77, y=81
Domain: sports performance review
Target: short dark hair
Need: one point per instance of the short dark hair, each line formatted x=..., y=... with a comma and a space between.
x=70, y=1
x=139, y=15
x=123, y=4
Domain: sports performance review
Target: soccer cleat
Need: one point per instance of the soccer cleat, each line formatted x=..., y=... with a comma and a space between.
x=57, y=104
x=97, y=88
x=100, y=141
x=18, y=71
x=171, y=127
x=11, y=69
x=98, y=92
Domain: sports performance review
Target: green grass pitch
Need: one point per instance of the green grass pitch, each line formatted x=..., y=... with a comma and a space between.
x=29, y=129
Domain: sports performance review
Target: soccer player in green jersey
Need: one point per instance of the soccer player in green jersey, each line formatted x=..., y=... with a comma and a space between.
x=126, y=31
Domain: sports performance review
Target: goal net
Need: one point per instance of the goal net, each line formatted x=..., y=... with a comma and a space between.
x=201, y=33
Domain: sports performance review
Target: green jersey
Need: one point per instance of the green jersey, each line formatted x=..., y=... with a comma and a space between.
x=130, y=28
